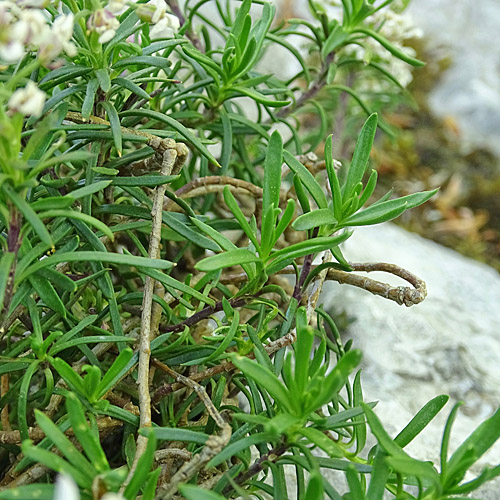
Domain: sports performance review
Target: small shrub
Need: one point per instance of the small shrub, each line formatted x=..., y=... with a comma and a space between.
x=166, y=228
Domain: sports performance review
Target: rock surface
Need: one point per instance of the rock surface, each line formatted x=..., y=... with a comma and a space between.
x=469, y=90
x=449, y=344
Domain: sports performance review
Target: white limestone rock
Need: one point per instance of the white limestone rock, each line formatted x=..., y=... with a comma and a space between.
x=449, y=344
x=469, y=91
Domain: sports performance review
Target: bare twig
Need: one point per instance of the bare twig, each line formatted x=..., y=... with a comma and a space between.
x=166, y=453
x=149, y=317
x=213, y=445
x=399, y=294
x=312, y=91
x=258, y=466
x=203, y=314
x=4, y=389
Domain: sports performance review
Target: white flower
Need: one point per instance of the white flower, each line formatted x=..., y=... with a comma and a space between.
x=62, y=28
x=23, y=28
x=165, y=27
x=28, y=101
x=117, y=6
x=12, y=34
x=152, y=11
x=112, y=496
x=35, y=27
x=104, y=23
x=66, y=488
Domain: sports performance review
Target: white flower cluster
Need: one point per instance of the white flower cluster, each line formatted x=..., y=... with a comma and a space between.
x=25, y=27
x=67, y=489
x=28, y=101
x=155, y=12
x=105, y=23
x=397, y=28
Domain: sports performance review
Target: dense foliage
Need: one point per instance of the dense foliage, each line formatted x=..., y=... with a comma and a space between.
x=165, y=230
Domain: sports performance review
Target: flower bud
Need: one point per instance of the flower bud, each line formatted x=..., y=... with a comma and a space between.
x=104, y=23
x=28, y=101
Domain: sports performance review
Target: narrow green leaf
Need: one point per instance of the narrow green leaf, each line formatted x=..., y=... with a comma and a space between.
x=319, y=217
x=149, y=490
x=52, y=202
x=361, y=155
x=91, y=339
x=333, y=179
x=330, y=447
x=272, y=172
x=303, y=346
x=235, y=447
x=183, y=131
x=56, y=463
x=446, y=439
x=335, y=39
x=411, y=467
x=388, y=210
x=285, y=218
x=28, y=213
x=231, y=258
x=355, y=489
x=88, y=440
x=239, y=90
x=479, y=442
x=184, y=230
x=95, y=256
x=144, y=180
x=88, y=102
x=172, y=283
x=266, y=379
x=84, y=323
x=335, y=380
x=316, y=485
x=400, y=54
x=379, y=476
x=22, y=401
x=103, y=79
x=221, y=348
x=192, y=492
x=5, y=266
x=29, y=492
x=74, y=381
x=369, y=188
x=384, y=440
x=142, y=470
x=129, y=85
x=360, y=427
x=115, y=372
x=47, y=293
x=314, y=245
x=114, y=122
x=308, y=180
x=95, y=187
x=65, y=446
x=73, y=214
x=175, y=434
x=418, y=423
x=240, y=217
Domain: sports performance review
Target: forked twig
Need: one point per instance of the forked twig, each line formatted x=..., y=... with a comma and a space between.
x=399, y=294
x=214, y=444
x=169, y=152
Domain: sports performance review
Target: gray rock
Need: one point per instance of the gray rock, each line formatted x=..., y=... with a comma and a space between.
x=470, y=89
x=449, y=344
